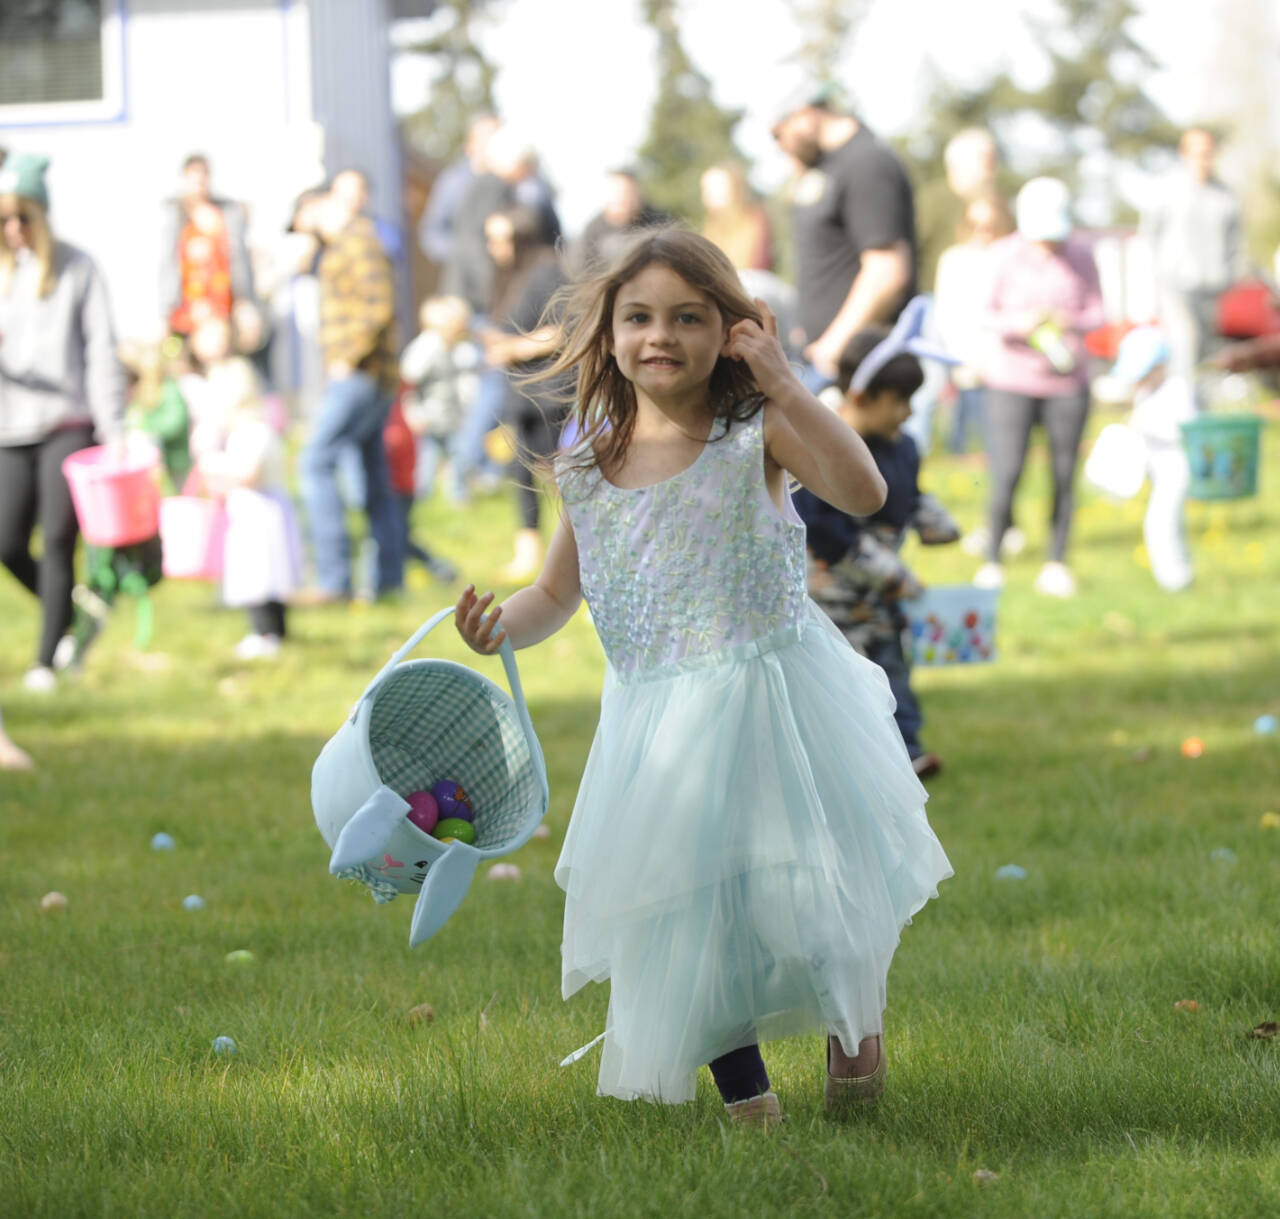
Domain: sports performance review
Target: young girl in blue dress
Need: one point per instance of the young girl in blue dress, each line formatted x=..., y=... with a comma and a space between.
x=749, y=837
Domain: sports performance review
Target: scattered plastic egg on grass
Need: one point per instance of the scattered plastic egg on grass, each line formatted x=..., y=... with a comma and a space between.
x=224, y=1045
x=193, y=901
x=1192, y=747
x=421, y=1013
x=1186, y=1005
x=162, y=842
x=542, y=831
x=1264, y=725
x=984, y=1176
x=1269, y=821
x=504, y=871
x=53, y=901
x=1222, y=855
x=1011, y=871
x=240, y=956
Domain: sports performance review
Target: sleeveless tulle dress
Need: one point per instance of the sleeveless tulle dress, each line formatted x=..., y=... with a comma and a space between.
x=749, y=837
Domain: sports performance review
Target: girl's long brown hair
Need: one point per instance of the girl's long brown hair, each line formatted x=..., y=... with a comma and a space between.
x=42, y=246
x=604, y=402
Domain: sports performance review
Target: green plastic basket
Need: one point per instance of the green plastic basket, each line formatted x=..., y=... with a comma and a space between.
x=1222, y=451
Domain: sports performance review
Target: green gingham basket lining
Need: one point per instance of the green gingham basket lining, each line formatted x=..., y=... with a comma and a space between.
x=435, y=720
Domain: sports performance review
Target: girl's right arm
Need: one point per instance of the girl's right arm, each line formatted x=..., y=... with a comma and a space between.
x=532, y=614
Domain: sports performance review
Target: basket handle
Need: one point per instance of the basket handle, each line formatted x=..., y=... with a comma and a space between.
x=508, y=655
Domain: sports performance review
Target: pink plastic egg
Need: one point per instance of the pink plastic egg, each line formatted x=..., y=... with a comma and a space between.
x=424, y=812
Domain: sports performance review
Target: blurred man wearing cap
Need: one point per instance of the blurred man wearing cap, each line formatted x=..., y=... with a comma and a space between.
x=1194, y=230
x=854, y=228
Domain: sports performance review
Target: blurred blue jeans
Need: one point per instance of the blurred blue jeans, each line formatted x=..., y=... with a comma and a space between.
x=352, y=413
x=888, y=654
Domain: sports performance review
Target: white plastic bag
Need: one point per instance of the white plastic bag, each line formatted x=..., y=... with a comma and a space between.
x=1117, y=464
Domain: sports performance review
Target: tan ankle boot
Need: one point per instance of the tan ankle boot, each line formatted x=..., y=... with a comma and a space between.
x=844, y=1092
x=763, y=1112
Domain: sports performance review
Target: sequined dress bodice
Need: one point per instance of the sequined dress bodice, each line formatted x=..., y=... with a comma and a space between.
x=690, y=567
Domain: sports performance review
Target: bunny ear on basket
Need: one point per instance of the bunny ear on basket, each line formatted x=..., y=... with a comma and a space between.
x=369, y=831
x=904, y=339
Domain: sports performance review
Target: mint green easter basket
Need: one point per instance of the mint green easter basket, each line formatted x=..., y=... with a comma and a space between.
x=420, y=721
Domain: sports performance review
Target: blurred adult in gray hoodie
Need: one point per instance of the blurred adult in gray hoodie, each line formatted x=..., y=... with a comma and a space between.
x=61, y=386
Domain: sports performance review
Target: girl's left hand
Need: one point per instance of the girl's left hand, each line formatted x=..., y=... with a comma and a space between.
x=760, y=348
x=479, y=629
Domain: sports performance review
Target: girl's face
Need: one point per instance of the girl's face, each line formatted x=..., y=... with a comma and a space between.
x=500, y=237
x=211, y=341
x=667, y=336
x=18, y=220
x=717, y=190
x=984, y=223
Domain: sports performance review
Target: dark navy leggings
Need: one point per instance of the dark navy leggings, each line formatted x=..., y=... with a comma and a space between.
x=740, y=1074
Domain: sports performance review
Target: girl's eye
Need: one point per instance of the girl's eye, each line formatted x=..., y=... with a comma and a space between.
x=637, y=318
x=691, y=319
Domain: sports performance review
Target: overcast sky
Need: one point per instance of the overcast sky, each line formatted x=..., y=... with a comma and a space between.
x=577, y=76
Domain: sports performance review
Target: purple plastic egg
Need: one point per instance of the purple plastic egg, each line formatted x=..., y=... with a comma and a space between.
x=452, y=799
x=424, y=812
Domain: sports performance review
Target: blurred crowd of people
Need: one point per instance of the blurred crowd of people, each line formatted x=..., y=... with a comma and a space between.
x=1009, y=289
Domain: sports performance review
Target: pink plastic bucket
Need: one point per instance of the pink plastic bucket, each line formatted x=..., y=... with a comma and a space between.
x=115, y=494
x=193, y=531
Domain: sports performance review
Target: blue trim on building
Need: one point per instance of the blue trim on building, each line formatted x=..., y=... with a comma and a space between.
x=111, y=120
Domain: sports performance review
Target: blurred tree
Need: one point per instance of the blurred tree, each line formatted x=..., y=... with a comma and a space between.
x=1090, y=110
x=827, y=26
x=461, y=82
x=688, y=132
x=1240, y=51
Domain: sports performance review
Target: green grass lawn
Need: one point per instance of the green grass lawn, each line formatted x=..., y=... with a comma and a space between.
x=1032, y=1029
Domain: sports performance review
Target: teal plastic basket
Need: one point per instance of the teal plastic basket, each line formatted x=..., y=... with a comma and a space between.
x=1222, y=451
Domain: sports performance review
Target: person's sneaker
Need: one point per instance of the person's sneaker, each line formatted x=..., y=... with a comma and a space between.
x=65, y=653
x=1013, y=543
x=40, y=679
x=975, y=541
x=487, y=482
x=441, y=569
x=1055, y=580
x=926, y=765
x=258, y=647
x=989, y=575
x=11, y=757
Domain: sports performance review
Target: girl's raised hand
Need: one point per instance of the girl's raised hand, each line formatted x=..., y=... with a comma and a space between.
x=482, y=634
x=758, y=345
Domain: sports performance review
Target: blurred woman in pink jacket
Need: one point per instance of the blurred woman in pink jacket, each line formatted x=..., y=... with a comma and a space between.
x=1043, y=298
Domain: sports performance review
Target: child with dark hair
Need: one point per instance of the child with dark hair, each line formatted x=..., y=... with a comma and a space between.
x=855, y=572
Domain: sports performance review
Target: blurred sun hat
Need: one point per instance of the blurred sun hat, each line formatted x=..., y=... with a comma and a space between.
x=1044, y=210
x=1140, y=351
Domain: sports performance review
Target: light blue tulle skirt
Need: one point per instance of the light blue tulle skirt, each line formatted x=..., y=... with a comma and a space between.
x=748, y=841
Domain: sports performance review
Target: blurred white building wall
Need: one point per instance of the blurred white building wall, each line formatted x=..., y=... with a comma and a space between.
x=279, y=94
